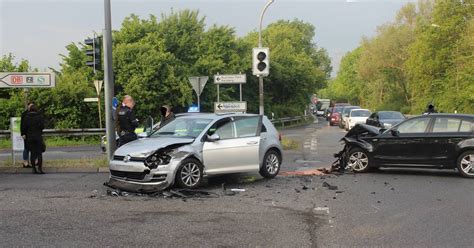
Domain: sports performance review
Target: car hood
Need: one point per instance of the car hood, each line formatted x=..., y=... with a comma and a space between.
x=143, y=146
x=364, y=130
x=358, y=119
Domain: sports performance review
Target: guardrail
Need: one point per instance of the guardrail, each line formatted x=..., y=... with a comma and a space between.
x=100, y=131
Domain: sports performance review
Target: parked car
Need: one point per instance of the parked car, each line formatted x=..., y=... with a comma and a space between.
x=345, y=113
x=356, y=116
x=443, y=141
x=385, y=119
x=189, y=147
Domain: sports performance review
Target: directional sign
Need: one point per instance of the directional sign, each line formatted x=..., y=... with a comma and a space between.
x=230, y=79
x=98, y=86
x=198, y=83
x=27, y=79
x=91, y=99
x=228, y=107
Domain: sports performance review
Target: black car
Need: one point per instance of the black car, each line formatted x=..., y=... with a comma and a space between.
x=444, y=141
x=385, y=119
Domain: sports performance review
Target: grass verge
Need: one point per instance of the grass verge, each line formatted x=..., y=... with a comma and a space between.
x=5, y=143
x=64, y=163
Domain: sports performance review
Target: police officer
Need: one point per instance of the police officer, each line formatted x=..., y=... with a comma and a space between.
x=166, y=115
x=127, y=121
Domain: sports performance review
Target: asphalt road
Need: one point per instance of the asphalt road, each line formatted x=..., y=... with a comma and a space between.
x=391, y=208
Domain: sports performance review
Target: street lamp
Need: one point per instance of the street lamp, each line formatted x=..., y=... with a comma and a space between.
x=260, y=78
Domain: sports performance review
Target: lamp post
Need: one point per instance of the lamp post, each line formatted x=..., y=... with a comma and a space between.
x=260, y=79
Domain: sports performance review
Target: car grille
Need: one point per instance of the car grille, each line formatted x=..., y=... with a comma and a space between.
x=133, y=159
x=128, y=175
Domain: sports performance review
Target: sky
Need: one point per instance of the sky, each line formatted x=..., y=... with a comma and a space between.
x=39, y=30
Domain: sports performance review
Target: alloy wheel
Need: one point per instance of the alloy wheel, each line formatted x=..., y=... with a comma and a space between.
x=467, y=164
x=190, y=174
x=272, y=163
x=358, y=161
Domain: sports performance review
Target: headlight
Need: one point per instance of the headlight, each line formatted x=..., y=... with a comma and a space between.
x=160, y=157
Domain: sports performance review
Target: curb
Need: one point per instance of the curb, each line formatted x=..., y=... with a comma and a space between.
x=19, y=170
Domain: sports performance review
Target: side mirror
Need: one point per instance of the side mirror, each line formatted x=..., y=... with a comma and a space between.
x=394, y=132
x=213, y=138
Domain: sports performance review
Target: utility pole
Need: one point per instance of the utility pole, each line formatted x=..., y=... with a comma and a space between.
x=260, y=78
x=109, y=81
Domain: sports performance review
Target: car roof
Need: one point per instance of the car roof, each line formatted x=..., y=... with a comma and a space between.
x=212, y=115
x=359, y=109
x=466, y=116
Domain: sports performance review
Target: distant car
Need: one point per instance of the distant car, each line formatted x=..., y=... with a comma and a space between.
x=385, y=119
x=335, y=117
x=356, y=116
x=331, y=109
x=345, y=113
x=190, y=147
x=443, y=141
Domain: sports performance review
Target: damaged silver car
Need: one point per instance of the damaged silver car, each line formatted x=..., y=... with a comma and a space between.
x=193, y=146
x=441, y=141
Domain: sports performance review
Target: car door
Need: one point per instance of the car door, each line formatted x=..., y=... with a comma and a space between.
x=237, y=150
x=405, y=145
x=444, y=137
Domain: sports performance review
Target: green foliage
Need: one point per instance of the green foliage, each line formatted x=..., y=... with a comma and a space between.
x=424, y=56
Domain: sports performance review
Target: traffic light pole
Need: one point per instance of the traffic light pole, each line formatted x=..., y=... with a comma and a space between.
x=109, y=82
x=260, y=78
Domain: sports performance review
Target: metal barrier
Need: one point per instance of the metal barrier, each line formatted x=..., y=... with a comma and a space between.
x=101, y=131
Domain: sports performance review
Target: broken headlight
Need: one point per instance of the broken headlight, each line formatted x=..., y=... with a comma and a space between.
x=158, y=158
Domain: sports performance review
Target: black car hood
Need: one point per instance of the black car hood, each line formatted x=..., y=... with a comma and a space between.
x=363, y=130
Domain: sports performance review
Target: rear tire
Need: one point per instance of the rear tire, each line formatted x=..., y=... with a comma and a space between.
x=189, y=174
x=358, y=160
x=465, y=164
x=271, y=164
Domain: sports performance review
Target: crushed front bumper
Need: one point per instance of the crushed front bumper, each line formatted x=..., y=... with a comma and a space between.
x=137, y=187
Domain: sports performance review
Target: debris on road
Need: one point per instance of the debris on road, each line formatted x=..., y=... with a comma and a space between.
x=329, y=186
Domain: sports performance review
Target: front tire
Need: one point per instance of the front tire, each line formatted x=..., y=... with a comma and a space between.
x=358, y=160
x=465, y=164
x=189, y=174
x=271, y=164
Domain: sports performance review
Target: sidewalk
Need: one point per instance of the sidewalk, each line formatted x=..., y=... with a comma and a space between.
x=55, y=170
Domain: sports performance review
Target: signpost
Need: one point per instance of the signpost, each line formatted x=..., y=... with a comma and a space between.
x=230, y=107
x=230, y=79
x=198, y=84
x=27, y=79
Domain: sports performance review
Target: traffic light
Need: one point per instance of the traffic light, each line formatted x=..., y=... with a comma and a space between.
x=261, y=61
x=94, y=43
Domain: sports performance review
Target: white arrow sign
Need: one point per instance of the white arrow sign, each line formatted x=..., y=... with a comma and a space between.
x=230, y=79
x=27, y=79
x=227, y=107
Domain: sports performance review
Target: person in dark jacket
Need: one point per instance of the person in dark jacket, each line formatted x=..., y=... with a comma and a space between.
x=166, y=115
x=26, y=152
x=127, y=121
x=33, y=128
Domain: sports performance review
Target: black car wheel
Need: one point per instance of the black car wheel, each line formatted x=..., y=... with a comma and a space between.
x=358, y=160
x=189, y=174
x=271, y=164
x=466, y=164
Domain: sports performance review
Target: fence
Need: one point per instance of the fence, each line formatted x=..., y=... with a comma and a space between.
x=100, y=131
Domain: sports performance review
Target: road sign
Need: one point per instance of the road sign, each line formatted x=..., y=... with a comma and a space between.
x=91, y=99
x=27, y=79
x=230, y=79
x=115, y=102
x=228, y=107
x=98, y=86
x=198, y=83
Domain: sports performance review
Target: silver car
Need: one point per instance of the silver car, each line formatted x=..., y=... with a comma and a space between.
x=193, y=146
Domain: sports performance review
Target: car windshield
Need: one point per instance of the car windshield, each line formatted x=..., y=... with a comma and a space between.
x=360, y=113
x=391, y=115
x=348, y=109
x=183, y=127
x=337, y=110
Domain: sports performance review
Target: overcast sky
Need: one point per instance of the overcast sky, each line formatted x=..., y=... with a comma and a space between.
x=39, y=30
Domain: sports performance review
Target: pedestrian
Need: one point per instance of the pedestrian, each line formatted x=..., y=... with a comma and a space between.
x=430, y=109
x=127, y=122
x=26, y=152
x=167, y=115
x=33, y=130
